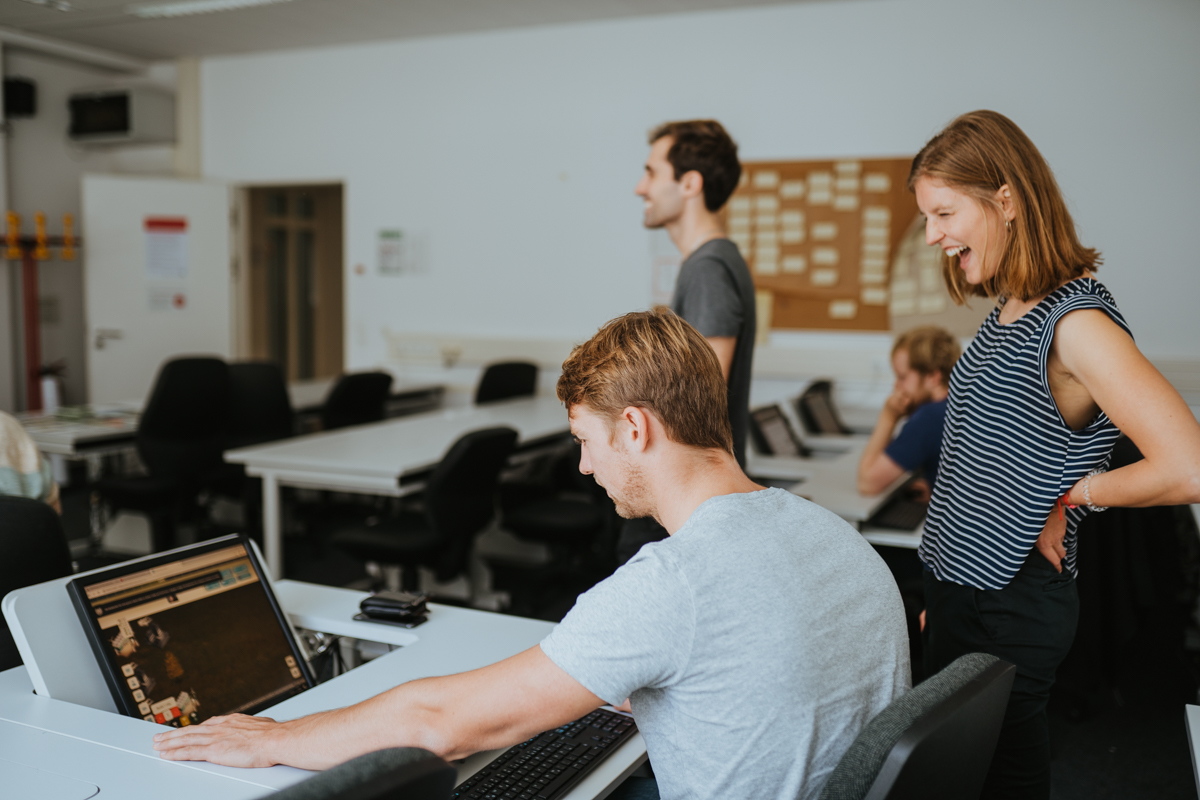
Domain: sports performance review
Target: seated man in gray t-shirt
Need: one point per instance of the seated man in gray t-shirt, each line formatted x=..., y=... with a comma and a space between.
x=754, y=644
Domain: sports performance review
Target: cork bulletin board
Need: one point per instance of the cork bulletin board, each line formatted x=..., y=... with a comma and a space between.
x=819, y=237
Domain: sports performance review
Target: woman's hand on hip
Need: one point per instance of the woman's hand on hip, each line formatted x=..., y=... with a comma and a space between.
x=1050, y=542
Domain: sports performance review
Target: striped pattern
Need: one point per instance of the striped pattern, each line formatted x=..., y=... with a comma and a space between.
x=1007, y=454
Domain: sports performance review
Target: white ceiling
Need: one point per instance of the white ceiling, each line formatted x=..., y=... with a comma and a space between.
x=309, y=23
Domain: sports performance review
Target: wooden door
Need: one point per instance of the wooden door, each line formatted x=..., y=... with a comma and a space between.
x=295, y=281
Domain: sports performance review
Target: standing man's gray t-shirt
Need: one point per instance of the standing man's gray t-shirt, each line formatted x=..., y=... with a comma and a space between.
x=755, y=644
x=715, y=294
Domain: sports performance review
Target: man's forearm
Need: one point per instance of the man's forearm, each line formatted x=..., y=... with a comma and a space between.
x=880, y=436
x=405, y=716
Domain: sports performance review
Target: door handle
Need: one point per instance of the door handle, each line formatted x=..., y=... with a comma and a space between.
x=104, y=334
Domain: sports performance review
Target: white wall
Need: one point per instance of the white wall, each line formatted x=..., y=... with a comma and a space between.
x=514, y=154
x=44, y=171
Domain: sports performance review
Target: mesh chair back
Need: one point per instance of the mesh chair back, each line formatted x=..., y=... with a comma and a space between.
x=461, y=493
x=407, y=772
x=33, y=549
x=816, y=409
x=507, y=379
x=936, y=740
x=356, y=399
x=182, y=430
x=259, y=407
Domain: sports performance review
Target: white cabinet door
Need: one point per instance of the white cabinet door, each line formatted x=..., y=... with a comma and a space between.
x=157, y=278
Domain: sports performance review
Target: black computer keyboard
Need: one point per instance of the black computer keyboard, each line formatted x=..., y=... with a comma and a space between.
x=900, y=513
x=550, y=764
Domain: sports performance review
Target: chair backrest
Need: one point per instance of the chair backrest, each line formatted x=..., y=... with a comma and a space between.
x=259, y=407
x=407, y=772
x=936, y=740
x=356, y=399
x=33, y=549
x=460, y=496
x=181, y=433
x=816, y=409
x=507, y=379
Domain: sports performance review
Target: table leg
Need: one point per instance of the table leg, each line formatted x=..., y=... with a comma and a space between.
x=272, y=525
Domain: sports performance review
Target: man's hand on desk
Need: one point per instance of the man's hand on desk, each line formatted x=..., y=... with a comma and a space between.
x=235, y=741
x=452, y=716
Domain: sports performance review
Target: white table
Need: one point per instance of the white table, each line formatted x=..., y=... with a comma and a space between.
x=66, y=751
x=309, y=396
x=373, y=459
x=1191, y=718
x=91, y=430
x=829, y=478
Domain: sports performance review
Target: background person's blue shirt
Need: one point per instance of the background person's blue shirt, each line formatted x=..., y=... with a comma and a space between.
x=920, y=441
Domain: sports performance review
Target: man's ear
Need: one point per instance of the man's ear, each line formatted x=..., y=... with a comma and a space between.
x=634, y=429
x=692, y=184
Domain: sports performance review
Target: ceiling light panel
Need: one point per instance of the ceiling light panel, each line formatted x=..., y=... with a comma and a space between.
x=187, y=8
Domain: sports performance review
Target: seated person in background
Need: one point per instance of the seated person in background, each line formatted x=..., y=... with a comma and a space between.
x=24, y=472
x=922, y=359
x=754, y=643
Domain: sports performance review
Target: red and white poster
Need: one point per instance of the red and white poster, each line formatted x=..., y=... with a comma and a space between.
x=166, y=262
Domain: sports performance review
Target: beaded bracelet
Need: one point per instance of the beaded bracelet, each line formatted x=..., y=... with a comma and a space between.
x=1087, y=491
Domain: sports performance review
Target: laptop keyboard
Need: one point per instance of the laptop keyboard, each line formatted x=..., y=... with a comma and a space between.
x=549, y=765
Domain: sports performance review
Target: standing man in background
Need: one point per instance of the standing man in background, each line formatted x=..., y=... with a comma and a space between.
x=692, y=170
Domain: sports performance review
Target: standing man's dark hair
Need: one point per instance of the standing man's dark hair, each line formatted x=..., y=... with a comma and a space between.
x=703, y=145
x=691, y=172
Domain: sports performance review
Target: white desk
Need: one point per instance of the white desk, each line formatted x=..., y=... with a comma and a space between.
x=309, y=396
x=92, y=430
x=829, y=478
x=1191, y=718
x=67, y=750
x=372, y=459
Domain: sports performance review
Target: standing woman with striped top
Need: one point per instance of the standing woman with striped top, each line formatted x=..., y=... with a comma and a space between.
x=1051, y=380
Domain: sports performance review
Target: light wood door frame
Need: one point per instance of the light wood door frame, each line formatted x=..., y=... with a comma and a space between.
x=276, y=236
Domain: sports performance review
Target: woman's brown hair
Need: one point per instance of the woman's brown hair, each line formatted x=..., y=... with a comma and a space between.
x=977, y=154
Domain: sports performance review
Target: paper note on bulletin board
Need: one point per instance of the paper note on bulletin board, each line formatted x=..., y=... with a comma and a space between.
x=819, y=237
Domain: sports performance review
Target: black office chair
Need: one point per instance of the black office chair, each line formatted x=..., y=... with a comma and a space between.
x=459, y=501
x=180, y=439
x=569, y=513
x=407, y=772
x=356, y=399
x=506, y=380
x=817, y=411
x=33, y=549
x=936, y=740
x=260, y=409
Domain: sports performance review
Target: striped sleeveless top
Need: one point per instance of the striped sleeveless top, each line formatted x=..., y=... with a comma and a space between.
x=1007, y=454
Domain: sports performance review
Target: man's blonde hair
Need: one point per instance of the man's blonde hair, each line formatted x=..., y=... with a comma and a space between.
x=657, y=361
x=930, y=349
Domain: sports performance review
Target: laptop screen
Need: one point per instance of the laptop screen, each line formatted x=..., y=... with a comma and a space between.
x=776, y=432
x=191, y=635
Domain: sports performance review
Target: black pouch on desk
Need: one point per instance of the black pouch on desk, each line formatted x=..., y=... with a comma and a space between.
x=401, y=607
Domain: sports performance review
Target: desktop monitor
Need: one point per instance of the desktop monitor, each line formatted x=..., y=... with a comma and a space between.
x=190, y=635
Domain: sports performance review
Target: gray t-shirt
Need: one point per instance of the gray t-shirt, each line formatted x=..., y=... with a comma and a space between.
x=715, y=294
x=755, y=644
